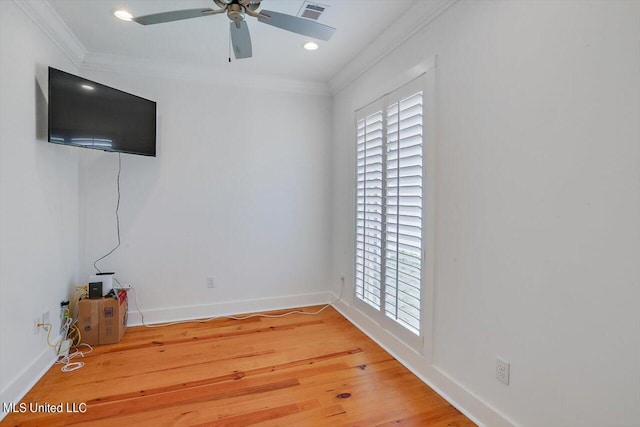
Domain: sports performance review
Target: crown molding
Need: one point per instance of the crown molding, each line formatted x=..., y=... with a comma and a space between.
x=414, y=19
x=51, y=24
x=189, y=72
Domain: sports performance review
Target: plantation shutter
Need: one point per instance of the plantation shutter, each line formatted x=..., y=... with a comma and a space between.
x=403, y=209
x=369, y=208
x=389, y=203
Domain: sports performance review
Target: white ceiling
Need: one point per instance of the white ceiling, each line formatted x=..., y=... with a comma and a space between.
x=204, y=42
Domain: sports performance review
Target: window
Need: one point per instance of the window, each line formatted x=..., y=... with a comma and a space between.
x=389, y=207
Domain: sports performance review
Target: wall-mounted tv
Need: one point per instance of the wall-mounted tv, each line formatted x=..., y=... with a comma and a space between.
x=87, y=114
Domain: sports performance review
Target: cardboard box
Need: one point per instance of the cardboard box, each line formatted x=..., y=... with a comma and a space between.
x=103, y=321
x=88, y=320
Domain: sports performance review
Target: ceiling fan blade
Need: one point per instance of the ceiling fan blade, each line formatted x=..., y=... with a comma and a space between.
x=175, y=15
x=241, y=40
x=297, y=25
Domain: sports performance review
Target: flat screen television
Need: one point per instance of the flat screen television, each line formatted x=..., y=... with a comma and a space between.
x=87, y=114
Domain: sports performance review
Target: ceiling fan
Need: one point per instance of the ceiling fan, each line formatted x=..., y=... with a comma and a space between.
x=236, y=10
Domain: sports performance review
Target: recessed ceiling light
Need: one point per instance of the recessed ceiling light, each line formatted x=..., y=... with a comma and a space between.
x=86, y=87
x=123, y=14
x=311, y=46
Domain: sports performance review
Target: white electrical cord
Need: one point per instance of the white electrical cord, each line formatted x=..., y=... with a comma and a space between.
x=70, y=366
x=204, y=320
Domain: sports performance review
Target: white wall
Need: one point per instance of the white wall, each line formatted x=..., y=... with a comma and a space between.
x=240, y=190
x=38, y=204
x=537, y=207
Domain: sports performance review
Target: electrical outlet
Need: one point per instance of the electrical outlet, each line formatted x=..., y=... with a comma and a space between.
x=502, y=370
x=36, y=325
x=45, y=317
x=211, y=283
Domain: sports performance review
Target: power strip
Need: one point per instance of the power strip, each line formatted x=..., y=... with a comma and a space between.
x=123, y=286
x=63, y=348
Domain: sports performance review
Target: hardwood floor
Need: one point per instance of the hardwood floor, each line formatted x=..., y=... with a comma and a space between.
x=292, y=371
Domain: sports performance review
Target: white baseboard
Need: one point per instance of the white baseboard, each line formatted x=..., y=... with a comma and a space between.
x=461, y=398
x=172, y=314
x=29, y=376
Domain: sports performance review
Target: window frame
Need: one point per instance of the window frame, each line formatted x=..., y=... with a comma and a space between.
x=424, y=83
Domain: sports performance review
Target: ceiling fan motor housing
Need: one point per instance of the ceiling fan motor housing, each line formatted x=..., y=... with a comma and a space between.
x=251, y=4
x=235, y=12
x=247, y=4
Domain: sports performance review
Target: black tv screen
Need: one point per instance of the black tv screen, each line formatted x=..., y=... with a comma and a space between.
x=87, y=114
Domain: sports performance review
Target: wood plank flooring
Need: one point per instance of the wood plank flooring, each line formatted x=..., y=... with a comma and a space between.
x=292, y=371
